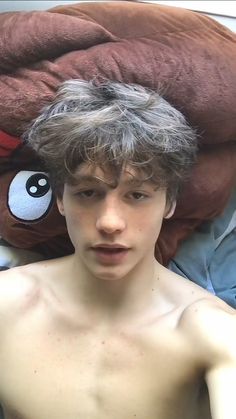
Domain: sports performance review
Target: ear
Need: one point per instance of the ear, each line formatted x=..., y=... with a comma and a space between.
x=170, y=209
x=60, y=206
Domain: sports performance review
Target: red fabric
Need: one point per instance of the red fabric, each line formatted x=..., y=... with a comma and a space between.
x=8, y=143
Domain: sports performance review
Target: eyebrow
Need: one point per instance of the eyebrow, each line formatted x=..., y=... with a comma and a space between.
x=93, y=179
x=86, y=178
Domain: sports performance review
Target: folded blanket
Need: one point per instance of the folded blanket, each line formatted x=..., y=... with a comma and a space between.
x=186, y=55
x=189, y=58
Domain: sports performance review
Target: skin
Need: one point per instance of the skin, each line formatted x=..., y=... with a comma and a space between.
x=94, y=336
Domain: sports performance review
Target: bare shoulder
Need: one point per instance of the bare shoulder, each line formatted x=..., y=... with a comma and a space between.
x=206, y=321
x=17, y=287
x=210, y=324
x=182, y=291
x=23, y=287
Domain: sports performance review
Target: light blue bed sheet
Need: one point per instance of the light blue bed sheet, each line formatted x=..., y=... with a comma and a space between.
x=208, y=257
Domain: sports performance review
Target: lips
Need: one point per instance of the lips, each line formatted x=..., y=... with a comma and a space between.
x=110, y=249
x=110, y=254
x=110, y=246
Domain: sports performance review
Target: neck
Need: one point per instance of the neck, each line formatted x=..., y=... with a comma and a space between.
x=119, y=298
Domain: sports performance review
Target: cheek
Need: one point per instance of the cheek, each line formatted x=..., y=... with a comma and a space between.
x=152, y=217
x=75, y=228
x=78, y=222
x=72, y=218
x=148, y=228
x=150, y=224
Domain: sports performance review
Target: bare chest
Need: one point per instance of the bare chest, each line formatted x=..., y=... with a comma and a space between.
x=91, y=375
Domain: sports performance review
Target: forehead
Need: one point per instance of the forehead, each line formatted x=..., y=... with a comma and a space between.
x=91, y=173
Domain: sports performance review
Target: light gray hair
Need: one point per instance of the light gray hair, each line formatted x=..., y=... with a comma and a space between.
x=111, y=125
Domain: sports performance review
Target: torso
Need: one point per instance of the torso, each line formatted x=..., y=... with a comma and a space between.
x=55, y=368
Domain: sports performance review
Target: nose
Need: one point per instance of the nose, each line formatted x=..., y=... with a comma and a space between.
x=110, y=219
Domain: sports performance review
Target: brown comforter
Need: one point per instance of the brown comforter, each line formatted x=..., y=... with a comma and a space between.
x=186, y=56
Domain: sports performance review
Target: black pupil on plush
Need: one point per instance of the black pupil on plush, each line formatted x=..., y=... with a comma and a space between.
x=37, y=185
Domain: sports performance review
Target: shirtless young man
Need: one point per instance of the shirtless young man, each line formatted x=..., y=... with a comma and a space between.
x=109, y=333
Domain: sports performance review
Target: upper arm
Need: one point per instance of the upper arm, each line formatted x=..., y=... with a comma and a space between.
x=221, y=382
x=221, y=374
x=211, y=326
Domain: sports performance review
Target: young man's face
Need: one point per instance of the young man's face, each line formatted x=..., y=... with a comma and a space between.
x=113, y=230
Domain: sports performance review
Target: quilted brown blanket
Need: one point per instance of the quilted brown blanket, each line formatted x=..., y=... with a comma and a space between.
x=189, y=58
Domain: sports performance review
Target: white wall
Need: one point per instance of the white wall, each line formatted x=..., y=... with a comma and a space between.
x=222, y=11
